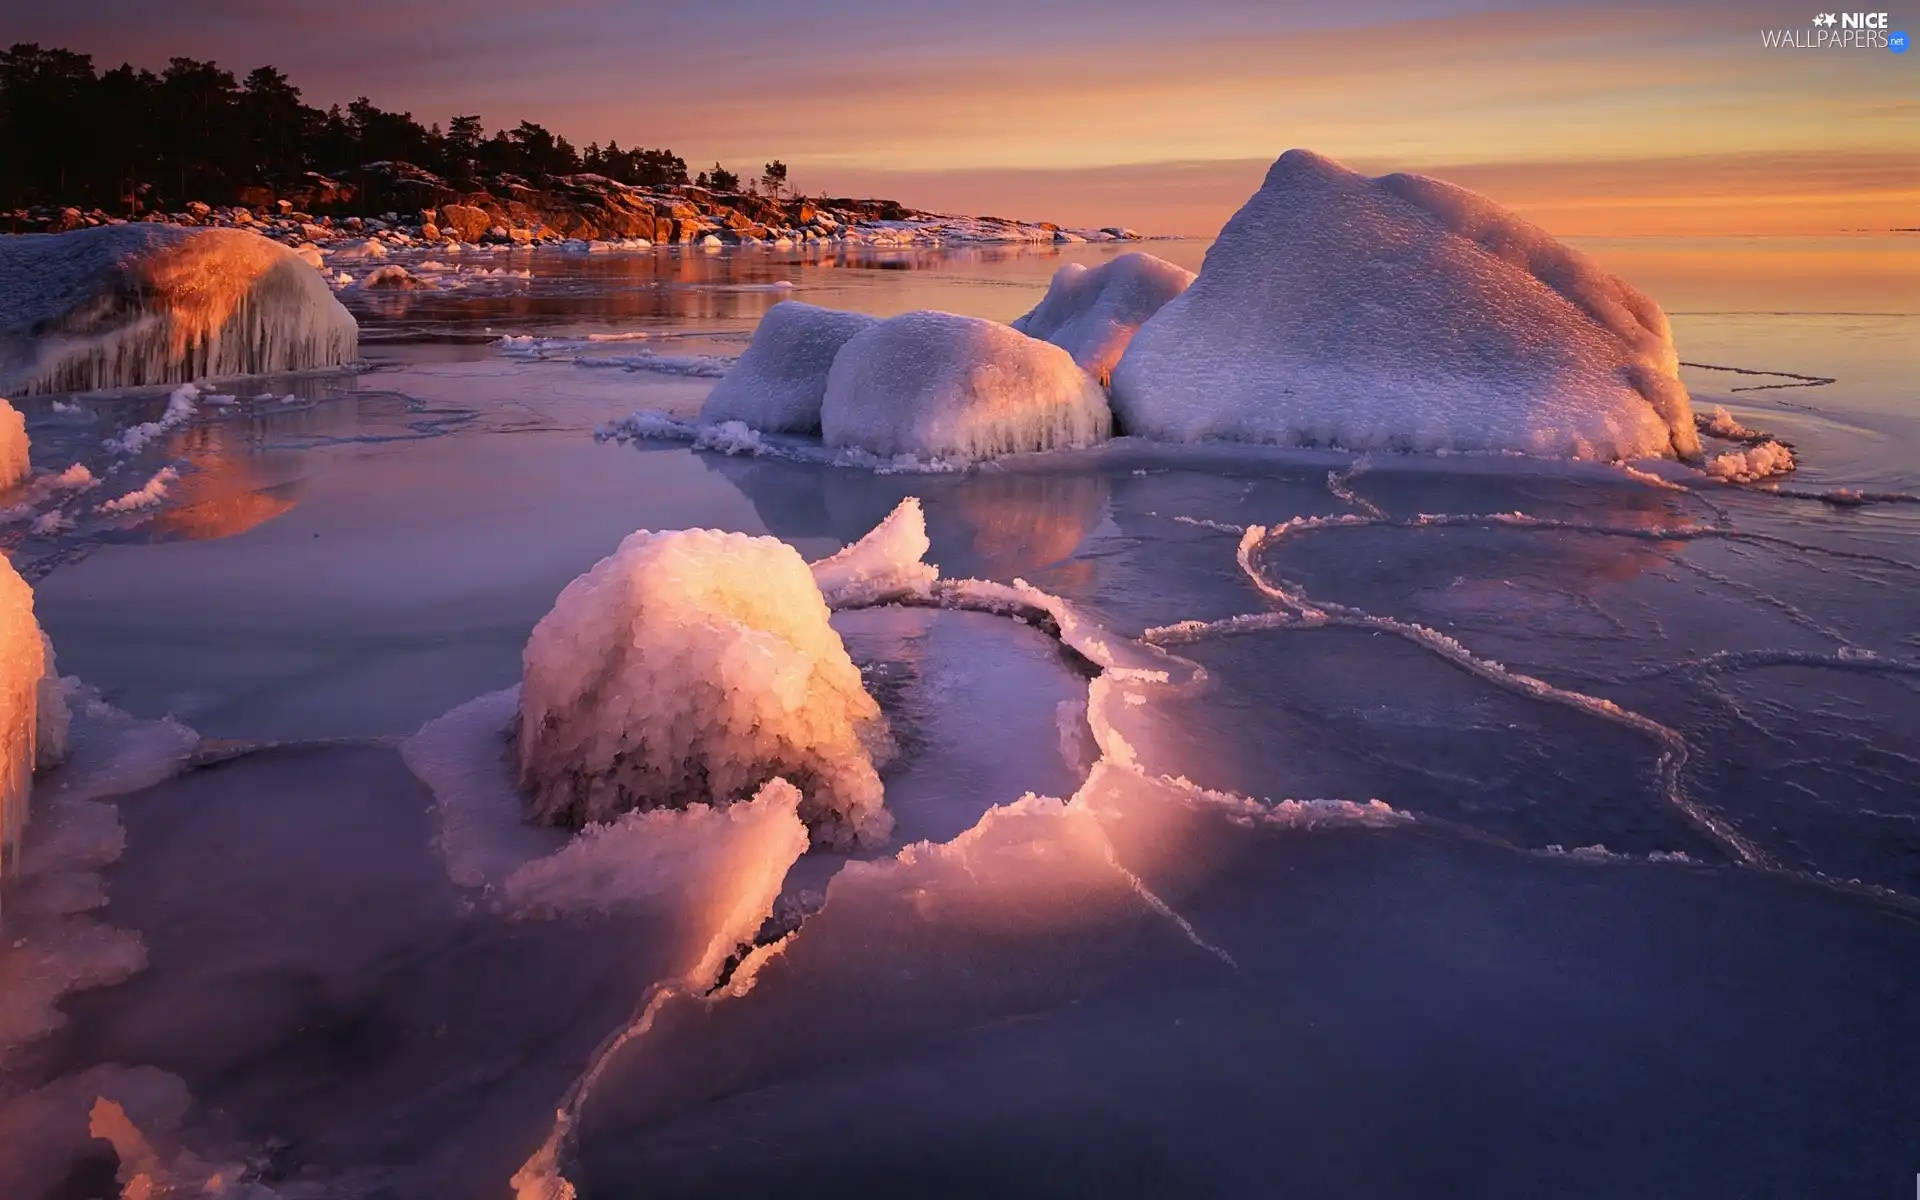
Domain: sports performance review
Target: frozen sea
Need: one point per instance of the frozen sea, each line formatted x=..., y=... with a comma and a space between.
x=1473, y=827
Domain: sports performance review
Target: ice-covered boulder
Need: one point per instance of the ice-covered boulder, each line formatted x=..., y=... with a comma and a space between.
x=127, y=305
x=938, y=385
x=13, y=447
x=1400, y=312
x=1092, y=313
x=778, y=384
x=23, y=664
x=692, y=667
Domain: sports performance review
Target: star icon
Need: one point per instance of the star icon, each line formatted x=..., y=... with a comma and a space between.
x=1825, y=19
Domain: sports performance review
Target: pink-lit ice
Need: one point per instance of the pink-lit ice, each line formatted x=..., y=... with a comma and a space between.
x=1092, y=313
x=1402, y=313
x=779, y=383
x=692, y=667
x=940, y=385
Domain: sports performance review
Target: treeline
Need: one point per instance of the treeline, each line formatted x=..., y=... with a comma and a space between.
x=134, y=141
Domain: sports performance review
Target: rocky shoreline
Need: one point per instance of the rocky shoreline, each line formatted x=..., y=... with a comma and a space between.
x=402, y=205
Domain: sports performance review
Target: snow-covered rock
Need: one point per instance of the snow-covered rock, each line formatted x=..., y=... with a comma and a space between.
x=14, y=463
x=936, y=384
x=23, y=663
x=780, y=381
x=1400, y=312
x=1092, y=313
x=126, y=305
x=692, y=667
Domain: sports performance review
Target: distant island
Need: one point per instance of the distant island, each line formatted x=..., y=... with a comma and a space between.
x=193, y=144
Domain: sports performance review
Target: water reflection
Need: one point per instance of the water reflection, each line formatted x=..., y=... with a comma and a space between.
x=988, y=524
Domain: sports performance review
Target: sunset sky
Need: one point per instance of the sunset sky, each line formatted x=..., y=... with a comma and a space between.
x=1592, y=119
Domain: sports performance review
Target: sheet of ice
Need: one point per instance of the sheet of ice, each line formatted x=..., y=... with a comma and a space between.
x=779, y=383
x=886, y=564
x=691, y=667
x=55, y=944
x=1402, y=313
x=936, y=384
x=1092, y=313
x=372, y=1031
x=127, y=305
x=14, y=460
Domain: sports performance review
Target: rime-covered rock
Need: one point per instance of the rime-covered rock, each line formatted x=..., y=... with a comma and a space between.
x=939, y=385
x=1092, y=313
x=779, y=383
x=14, y=464
x=128, y=305
x=691, y=667
x=1403, y=313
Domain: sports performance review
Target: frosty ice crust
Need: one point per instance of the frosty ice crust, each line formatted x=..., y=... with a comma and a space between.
x=33, y=712
x=1093, y=313
x=130, y=305
x=779, y=383
x=692, y=667
x=14, y=449
x=943, y=386
x=1402, y=313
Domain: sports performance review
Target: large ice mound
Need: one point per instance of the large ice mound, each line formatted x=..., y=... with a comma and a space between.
x=128, y=305
x=946, y=386
x=1093, y=313
x=1400, y=312
x=692, y=667
x=778, y=384
x=14, y=463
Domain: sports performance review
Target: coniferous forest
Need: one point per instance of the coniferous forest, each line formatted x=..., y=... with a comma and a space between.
x=129, y=140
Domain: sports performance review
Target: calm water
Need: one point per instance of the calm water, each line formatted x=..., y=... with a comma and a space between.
x=1455, y=1004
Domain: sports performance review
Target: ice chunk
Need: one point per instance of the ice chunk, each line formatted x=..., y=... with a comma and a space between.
x=1751, y=464
x=126, y=305
x=135, y=438
x=1404, y=313
x=23, y=662
x=393, y=277
x=146, y=496
x=51, y=718
x=14, y=464
x=884, y=565
x=933, y=383
x=779, y=382
x=1093, y=313
x=691, y=667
